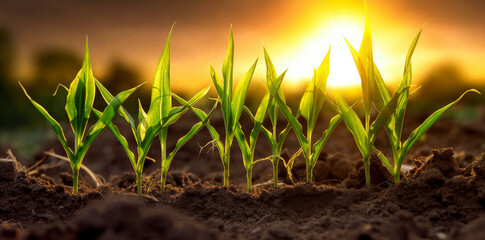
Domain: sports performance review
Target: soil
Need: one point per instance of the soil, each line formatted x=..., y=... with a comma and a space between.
x=441, y=197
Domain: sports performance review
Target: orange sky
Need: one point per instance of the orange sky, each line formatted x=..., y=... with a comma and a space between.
x=297, y=34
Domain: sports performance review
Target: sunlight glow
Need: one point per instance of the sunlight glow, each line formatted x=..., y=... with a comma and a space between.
x=309, y=53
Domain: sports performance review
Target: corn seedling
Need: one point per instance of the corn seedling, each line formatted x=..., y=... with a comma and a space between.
x=310, y=105
x=232, y=104
x=275, y=140
x=247, y=150
x=79, y=104
x=391, y=109
x=160, y=115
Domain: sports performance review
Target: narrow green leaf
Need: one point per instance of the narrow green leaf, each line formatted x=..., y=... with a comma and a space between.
x=240, y=95
x=227, y=68
x=271, y=75
x=227, y=75
x=105, y=119
x=405, y=83
x=194, y=130
x=419, y=131
x=384, y=116
x=367, y=59
x=293, y=120
x=314, y=96
x=80, y=98
x=142, y=123
x=55, y=125
x=161, y=98
x=108, y=97
x=243, y=145
x=121, y=139
x=258, y=121
x=382, y=96
x=177, y=112
x=217, y=82
x=318, y=146
x=354, y=125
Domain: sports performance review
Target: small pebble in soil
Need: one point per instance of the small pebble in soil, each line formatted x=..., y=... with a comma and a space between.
x=8, y=169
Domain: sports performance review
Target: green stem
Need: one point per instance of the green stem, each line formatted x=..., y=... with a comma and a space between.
x=249, y=176
x=367, y=170
x=163, y=178
x=308, y=160
x=164, y=164
x=309, y=173
x=226, y=160
x=75, y=177
x=275, y=170
x=139, y=182
x=397, y=177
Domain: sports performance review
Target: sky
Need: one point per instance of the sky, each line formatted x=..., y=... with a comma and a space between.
x=297, y=34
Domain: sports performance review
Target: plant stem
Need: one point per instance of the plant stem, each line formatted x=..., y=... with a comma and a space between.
x=275, y=170
x=309, y=174
x=75, y=177
x=308, y=155
x=163, y=178
x=397, y=177
x=249, y=176
x=367, y=170
x=139, y=181
x=226, y=160
x=164, y=165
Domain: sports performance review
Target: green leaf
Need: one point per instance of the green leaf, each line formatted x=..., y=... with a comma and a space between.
x=161, y=98
x=383, y=96
x=217, y=82
x=177, y=112
x=312, y=101
x=142, y=123
x=240, y=95
x=354, y=125
x=405, y=83
x=258, y=121
x=206, y=118
x=367, y=59
x=194, y=130
x=227, y=75
x=80, y=98
x=243, y=145
x=318, y=146
x=384, y=116
x=121, y=139
x=55, y=125
x=270, y=77
x=293, y=120
x=108, y=97
x=419, y=131
x=104, y=120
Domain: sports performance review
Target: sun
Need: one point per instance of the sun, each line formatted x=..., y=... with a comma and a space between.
x=310, y=52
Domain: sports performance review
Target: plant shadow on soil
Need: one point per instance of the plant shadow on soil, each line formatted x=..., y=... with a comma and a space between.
x=441, y=197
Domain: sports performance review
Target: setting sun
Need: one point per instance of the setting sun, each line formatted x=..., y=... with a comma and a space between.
x=310, y=53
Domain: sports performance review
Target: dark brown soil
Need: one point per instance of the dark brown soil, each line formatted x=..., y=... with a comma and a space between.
x=441, y=197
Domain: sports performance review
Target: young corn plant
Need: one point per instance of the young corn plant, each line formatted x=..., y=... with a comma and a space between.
x=160, y=115
x=79, y=104
x=310, y=107
x=247, y=149
x=391, y=109
x=276, y=140
x=231, y=104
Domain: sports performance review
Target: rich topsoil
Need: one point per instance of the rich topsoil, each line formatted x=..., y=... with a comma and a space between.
x=442, y=196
